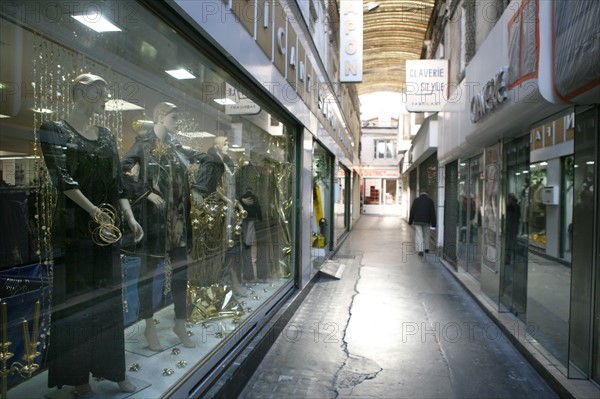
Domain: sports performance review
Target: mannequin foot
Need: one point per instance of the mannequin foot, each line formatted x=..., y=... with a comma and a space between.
x=239, y=290
x=127, y=386
x=152, y=338
x=84, y=391
x=181, y=332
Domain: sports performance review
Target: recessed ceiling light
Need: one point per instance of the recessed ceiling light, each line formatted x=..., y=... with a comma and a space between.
x=42, y=110
x=95, y=21
x=180, y=74
x=224, y=101
x=121, y=105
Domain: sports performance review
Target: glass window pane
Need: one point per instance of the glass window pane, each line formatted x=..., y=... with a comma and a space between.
x=206, y=168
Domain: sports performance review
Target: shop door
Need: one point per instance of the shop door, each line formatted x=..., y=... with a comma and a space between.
x=450, y=212
x=469, y=230
x=515, y=228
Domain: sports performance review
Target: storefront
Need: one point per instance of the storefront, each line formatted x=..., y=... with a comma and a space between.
x=526, y=186
x=381, y=190
x=119, y=118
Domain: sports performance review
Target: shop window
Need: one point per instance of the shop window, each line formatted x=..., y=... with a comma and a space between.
x=132, y=116
x=322, y=179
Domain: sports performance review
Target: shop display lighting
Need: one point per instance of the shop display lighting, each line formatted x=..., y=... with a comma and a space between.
x=196, y=135
x=121, y=105
x=42, y=110
x=95, y=21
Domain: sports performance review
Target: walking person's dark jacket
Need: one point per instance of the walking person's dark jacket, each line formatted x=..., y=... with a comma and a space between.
x=422, y=211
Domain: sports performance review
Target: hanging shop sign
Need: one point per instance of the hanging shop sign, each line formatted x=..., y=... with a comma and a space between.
x=426, y=85
x=351, y=40
x=493, y=93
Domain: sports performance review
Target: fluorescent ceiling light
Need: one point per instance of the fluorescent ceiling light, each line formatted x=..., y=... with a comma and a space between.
x=544, y=163
x=224, y=101
x=196, y=135
x=121, y=105
x=180, y=74
x=590, y=162
x=4, y=116
x=237, y=149
x=97, y=22
x=17, y=157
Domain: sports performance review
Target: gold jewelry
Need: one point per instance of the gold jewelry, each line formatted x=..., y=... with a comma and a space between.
x=107, y=231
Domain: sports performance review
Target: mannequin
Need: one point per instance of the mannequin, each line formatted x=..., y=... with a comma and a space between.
x=160, y=162
x=216, y=178
x=87, y=334
x=251, y=204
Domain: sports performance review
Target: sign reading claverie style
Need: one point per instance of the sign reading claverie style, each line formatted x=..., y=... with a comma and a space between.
x=426, y=85
x=351, y=40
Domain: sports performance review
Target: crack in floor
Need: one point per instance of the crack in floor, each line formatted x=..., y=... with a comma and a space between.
x=355, y=369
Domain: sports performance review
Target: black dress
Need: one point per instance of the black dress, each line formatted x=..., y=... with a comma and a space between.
x=86, y=334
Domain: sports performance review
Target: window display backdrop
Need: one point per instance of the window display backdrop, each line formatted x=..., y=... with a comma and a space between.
x=208, y=174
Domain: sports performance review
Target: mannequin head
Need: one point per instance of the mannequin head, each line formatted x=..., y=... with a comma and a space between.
x=221, y=144
x=90, y=93
x=165, y=116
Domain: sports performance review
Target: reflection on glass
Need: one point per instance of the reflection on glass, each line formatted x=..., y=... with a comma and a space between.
x=513, y=270
x=207, y=169
x=537, y=209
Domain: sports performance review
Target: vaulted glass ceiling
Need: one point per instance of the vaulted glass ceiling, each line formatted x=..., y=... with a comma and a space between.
x=393, y=33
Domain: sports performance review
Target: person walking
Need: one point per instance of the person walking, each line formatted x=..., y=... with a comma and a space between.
x=422, y=216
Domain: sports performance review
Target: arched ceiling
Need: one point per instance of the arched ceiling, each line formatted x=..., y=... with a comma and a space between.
x=393, y=32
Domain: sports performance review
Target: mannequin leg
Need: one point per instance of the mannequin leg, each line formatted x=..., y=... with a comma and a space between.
x=127, y=386
x=145, y=281
x=238, y=288
x=181, y=332
x=152, y=336
x=84, y=391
